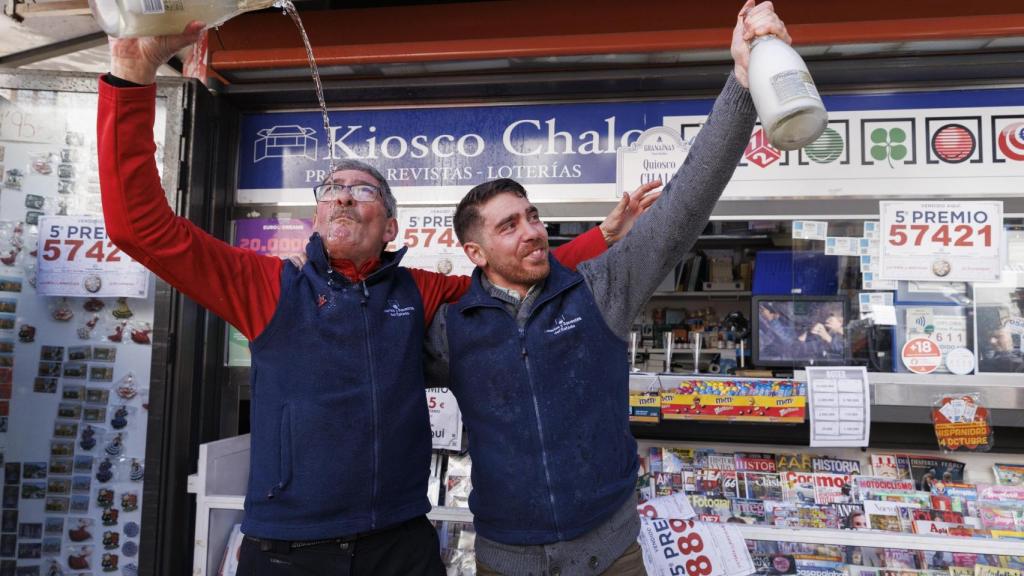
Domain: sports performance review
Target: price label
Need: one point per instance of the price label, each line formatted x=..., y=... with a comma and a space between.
x=445, y=419
x=948, y=241
x=76, y=258
x=674, y=547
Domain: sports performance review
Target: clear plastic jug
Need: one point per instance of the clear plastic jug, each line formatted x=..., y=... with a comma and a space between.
x=130, y=18
x=784, y=94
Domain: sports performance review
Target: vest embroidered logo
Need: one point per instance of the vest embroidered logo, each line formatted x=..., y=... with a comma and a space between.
x=563, y=325
x=395, y=310
x=321, y=300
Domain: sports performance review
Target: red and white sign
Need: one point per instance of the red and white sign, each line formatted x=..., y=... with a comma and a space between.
x=445, y=419
x=430, y=236
x=76, y=258
x=941, y=241
x=683, y=547
x=921, y=355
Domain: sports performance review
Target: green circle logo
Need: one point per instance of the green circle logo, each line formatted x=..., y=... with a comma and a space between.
x=827, y=148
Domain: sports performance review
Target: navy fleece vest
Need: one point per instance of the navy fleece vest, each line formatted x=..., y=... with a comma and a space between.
x=340, y=431
x=547, y=411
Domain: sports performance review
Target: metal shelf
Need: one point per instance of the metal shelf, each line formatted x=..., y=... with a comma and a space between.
x=871, y=538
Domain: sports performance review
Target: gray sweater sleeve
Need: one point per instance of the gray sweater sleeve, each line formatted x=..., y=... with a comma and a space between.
x=623, y=278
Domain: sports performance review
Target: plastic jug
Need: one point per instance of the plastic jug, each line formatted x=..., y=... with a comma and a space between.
x=129, y=18
x=784, y=94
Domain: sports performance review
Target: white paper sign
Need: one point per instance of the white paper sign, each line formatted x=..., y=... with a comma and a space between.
x=840, y=404
x=810, y=229
x=430, y=236
x=676, y=506
x=842, y=246
x=869, y=301
x=940, y=240
x=671, y=547
x=445, y=419
x=76, y=258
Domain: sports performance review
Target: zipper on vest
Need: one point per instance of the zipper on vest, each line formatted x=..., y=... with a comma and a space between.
x=373, y=396
x=540, y=432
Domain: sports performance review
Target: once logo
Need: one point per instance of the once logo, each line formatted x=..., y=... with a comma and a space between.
x=953, y=143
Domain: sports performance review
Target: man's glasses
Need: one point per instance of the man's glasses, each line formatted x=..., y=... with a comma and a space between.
x=359, y=192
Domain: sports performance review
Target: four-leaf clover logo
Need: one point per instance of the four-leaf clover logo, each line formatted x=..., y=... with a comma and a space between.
x=888, y=144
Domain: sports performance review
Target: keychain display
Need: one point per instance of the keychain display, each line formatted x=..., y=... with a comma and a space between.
x=105, y=498
x=962, y=423
x=62, y=311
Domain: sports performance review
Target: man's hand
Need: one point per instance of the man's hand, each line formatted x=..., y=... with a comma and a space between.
x=751, y=22
x=137, y=59
x=618, y=223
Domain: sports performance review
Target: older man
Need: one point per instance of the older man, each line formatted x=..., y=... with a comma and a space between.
x=340, y=443
x=537, y=354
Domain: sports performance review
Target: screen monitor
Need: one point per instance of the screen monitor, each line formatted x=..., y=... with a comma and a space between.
x=798, y=331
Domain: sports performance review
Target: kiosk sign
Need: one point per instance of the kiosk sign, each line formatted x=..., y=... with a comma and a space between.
x=656, y=155
x=941, y=241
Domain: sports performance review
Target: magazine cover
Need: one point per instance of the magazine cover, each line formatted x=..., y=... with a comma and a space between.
x=793, y=462
x=865, y=486
x=850, y=516
x=885, y=466
x=926, y=470
x=783, y=514
x=996, y=516
x=654, y=462
x=819, y=568
x=758, y=486
x=798, y=487
x=937, y=515
x=676, y=459
x=984, y=570
x=898, y=558
x=1009, y=474
x=962, y=497
x=666, y=484
x=774, y=565
x=711, y=507
x=884, y=515
x=996, y=493
x=864, y=556
x=750, y=511
x=832, y=488
x=816, y=517
x=754, y=462
x=835, y=465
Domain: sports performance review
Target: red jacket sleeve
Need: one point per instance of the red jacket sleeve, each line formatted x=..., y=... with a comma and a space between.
x=238, y=285
x=436, y=289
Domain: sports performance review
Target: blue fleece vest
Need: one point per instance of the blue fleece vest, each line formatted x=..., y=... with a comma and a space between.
x=547, y=410
x=340, y=431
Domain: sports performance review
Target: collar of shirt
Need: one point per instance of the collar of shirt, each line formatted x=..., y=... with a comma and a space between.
x=507, y=295
x=355, y=274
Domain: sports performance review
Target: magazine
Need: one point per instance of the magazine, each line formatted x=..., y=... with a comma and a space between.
x=711, y=507
x=832, y=488
x=886, y=466
x=1009, y=474
x=754, y=462
x=926, y=470
x=865, y=486
x=835, y=465
x=676, y=459
x=798, y=487
x=850, y=516
x=793, y=462
x=758, y=486
x=751, y=511
x=816, y=517
x=884, y=515
x=962, y=498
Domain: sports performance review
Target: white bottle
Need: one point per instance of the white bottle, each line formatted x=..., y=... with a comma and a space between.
x=131, y=18
x=784, y=94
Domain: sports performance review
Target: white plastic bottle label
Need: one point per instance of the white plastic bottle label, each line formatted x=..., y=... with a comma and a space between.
x=793, y=84
x=153, y=6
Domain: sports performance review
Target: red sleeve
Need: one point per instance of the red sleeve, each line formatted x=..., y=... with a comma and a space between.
x=436, y=289
x=238, y=285
x=588, y=245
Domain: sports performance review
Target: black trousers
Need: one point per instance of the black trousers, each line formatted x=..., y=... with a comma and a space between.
x=409, y=549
